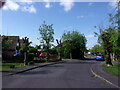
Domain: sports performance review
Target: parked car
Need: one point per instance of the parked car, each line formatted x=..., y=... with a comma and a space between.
x=44, y=55
x=16, y=55
x=99, y=57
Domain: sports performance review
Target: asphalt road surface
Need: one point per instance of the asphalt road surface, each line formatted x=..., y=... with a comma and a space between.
x=70, y=74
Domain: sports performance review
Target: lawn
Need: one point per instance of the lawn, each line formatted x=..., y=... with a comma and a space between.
x=9, y=66
x=114, y=70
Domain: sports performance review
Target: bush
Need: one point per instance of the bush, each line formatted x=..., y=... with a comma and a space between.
x=31, y=63
x=52, y=60
x=31, y=56
x=32, y=50
x=12, y=66
x=53, y=51
x=39, y=60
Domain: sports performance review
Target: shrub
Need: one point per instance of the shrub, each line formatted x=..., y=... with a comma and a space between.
x=53, y=51
x=31, y=63
x=31, y=56
x=32, y=50
x=12, y=66
x=39, y=60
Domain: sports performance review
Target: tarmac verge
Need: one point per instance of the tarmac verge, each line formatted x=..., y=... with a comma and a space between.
x=97, y=71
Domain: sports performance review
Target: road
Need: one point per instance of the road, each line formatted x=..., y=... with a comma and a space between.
x=70, y=74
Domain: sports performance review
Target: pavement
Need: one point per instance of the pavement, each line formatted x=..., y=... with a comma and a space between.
x=27, y=68
x=99, y=72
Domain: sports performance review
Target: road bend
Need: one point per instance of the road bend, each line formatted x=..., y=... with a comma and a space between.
x=70, y=74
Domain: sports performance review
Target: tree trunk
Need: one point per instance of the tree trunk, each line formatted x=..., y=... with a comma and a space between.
x=70, y=55
x=108, y=58
x=25, y=58
x=47, y=57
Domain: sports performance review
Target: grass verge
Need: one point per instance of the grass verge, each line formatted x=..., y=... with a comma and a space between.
x=10, y=66
x=114, y=70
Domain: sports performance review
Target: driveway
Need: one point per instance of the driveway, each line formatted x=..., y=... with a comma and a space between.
x=70, y=74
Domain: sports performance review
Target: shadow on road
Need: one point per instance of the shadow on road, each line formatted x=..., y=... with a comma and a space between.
x=84, y=61
x=36, y=72
x=80, y=62
x=56, y=66
x=90, y=59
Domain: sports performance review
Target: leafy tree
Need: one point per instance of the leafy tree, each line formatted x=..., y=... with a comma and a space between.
x=109, y=38
x=5, y=43
x=97, y=49
x=115, y=23
x=104, y=38
x=53, y=51
x=38, y=46
x=46, y=32
x=32, y=49
x=74, y=43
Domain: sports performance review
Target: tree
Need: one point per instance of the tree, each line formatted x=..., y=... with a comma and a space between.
x=104, y=38
x=109, y=38
x=59, y=49
x=97, y=49
x=25, y=48
x=46, y=32
x=74, y=43
x=38, y=46
x=5, y=43
x=32, y=49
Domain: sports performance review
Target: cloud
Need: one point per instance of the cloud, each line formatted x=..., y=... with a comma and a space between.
x=30, y=9
x=5, y=8
x=80, y=16
x=24, y=5
x=10, y=5
x=47, y=5
x=67, y=4
x=113, y=4
x=90, y=4
x=27, y=1
x=89, y=36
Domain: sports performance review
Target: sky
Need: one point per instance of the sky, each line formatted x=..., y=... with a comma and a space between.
x=24, y=18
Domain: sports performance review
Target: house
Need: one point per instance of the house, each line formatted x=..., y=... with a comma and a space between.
x=13, y=48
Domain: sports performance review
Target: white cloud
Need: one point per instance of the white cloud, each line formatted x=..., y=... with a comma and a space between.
x=46, y=0
x=30, y=9
x=68, y=4
x=89, y=36
x=90, y=4
x=10, y=5
x=26, y=1
x=24, y=5
x=80, y=16
x=113, y=3
x=47, y=5
x=5, y=8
